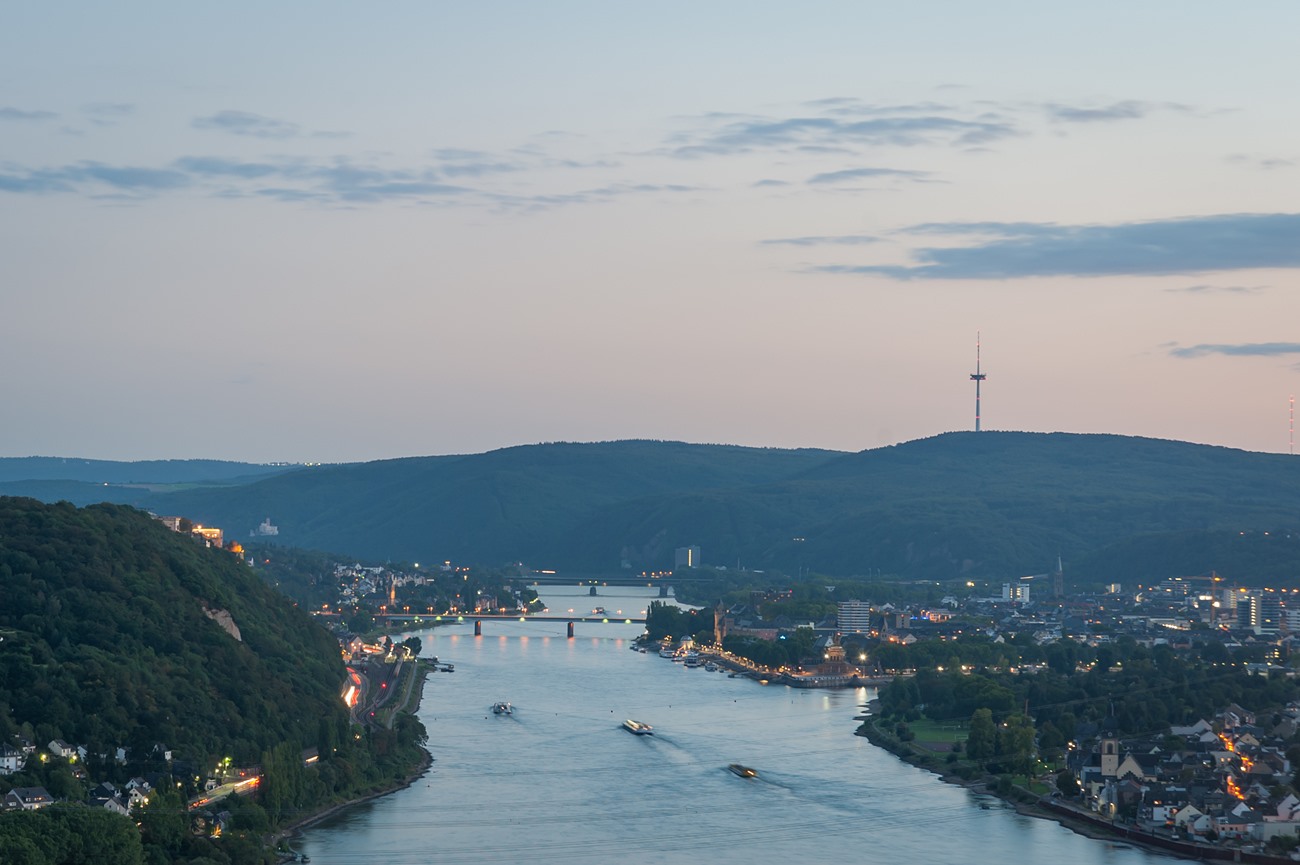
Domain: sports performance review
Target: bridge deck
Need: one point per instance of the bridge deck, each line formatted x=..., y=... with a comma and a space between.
x=444, y=620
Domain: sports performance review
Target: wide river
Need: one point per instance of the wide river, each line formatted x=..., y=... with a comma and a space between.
x=560, y=781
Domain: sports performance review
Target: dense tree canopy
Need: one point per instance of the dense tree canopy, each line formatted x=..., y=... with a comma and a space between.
x=112, y=640
x=1145, y=690
x=120, y=633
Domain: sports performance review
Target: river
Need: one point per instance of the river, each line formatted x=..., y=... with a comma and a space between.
x=560, y=781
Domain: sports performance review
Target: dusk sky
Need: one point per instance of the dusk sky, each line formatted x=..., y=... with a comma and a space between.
x=336, y=231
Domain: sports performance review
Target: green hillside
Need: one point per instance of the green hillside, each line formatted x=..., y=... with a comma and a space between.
x=117, y=633
x=108, y=641
x=1250, y=557
x=990, y=504
x=512, y=504
x=86, y=482
x=75, y=492
x=986, y=505
x=134, y=472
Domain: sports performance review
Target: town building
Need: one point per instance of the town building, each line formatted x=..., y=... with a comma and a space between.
x=854, y=616
x=686, y=557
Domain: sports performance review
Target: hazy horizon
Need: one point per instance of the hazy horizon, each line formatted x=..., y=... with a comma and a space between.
x=329, y=233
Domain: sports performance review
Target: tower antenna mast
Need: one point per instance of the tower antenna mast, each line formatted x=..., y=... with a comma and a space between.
x=977, y=377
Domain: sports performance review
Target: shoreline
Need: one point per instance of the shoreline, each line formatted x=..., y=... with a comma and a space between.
x=295, y=829
x=1065, y=815
x=411, y=705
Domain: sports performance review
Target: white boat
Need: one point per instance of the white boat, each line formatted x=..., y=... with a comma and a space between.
x=638, y=728
x=711, y=667
x=692, y=659
x=502, y=709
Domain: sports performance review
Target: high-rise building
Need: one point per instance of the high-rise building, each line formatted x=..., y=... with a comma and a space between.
x=687, y=557
x=1248, y=611
x=854, y=616
x=1270, y=611
x=1017, y=591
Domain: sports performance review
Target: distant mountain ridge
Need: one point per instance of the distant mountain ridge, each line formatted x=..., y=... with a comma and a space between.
x=85, y=482
x=513, y=504
x=990, y=504
x=140, y=472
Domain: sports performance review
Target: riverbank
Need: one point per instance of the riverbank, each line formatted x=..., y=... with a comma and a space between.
x=1031, y=804
x=294, y=829
x=412, y=697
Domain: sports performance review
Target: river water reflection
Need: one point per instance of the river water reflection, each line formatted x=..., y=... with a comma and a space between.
x=560, y=781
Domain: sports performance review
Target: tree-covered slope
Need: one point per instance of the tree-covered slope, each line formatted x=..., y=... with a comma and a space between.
x=110, y=640
x=86, y=482
x=990, y=504
x=134, y=472
x=76, y=492
x=512, y=504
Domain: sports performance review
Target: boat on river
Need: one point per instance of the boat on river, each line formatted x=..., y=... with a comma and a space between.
x=502, y=709
x=742, y=771
x=638, y=727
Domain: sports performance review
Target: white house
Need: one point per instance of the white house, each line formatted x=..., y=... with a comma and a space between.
x=11, y=759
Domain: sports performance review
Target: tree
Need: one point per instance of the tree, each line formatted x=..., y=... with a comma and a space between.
x=981, y=737
x=162, y=820
x=1015, y=744
x=1067, y=783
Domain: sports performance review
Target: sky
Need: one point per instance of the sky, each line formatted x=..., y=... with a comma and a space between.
x=328, y=232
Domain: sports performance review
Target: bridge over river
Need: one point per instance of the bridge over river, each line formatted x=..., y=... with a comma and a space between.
x=594, y=618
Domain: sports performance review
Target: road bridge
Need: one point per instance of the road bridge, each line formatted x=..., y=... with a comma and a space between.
x=615, y=580
x=452, y=619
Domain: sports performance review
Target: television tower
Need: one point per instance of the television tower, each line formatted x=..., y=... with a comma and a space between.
x=977, y=377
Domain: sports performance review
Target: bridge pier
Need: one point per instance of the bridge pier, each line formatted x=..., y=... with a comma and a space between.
x=570, y=630
x=478, y=627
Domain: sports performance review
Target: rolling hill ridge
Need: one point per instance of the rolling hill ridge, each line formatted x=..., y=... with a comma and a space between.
x=988, y=505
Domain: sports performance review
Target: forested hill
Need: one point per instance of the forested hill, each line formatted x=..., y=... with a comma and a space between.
x=140, y=472
x=991, y=504
x=111, y=639
x=518, y=503
x=83, y=481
